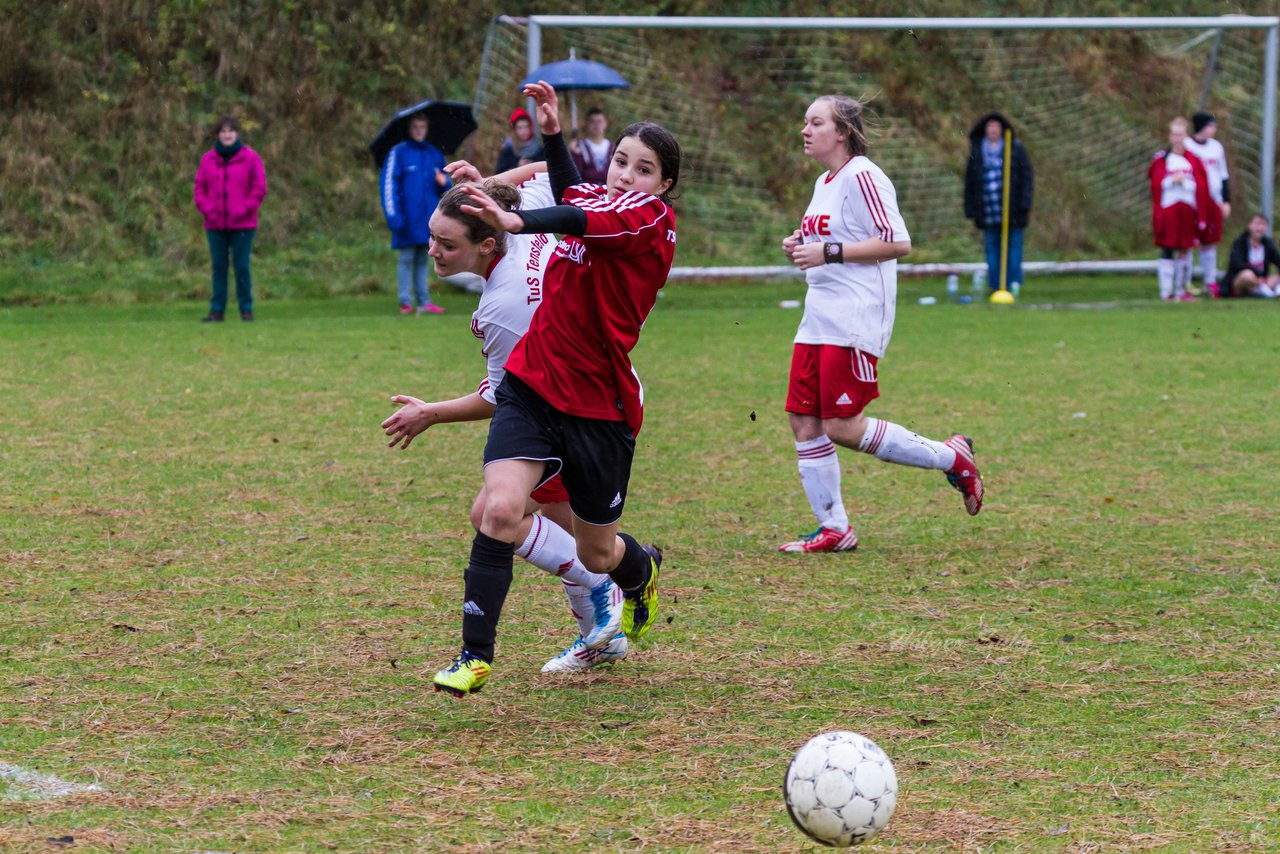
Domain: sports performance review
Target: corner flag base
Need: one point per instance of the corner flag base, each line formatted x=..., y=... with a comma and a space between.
x=1002, y=297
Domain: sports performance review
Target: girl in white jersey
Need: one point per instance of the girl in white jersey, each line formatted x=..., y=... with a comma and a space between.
x=848, y=244
x=1202, y=144
x=512, y=266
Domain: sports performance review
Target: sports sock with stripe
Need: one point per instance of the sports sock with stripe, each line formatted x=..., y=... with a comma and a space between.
x=820, y=477
x=894, y=443
x=553, y=550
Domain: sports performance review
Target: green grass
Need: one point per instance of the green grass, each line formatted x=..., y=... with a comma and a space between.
x=223, y=596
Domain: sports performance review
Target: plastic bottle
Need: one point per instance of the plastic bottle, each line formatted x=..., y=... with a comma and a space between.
x=979, y=280
x=953, y=287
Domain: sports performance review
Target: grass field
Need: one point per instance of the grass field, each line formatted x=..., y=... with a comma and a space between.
x=223, y=597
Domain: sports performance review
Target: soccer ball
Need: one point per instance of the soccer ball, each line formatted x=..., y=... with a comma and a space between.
x=840, y=789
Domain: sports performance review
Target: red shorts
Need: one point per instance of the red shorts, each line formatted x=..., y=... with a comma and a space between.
x=831, y=382
x=1176, y=227
x=1212, y=234
x=551, y=492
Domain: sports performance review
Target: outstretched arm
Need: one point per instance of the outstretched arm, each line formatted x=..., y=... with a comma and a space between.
x=462, y=172
x=561, y=219
x=415, y=416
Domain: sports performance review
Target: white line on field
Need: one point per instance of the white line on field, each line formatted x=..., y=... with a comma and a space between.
x=25, y=784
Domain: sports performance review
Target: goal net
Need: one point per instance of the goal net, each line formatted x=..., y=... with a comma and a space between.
x=1091, y=106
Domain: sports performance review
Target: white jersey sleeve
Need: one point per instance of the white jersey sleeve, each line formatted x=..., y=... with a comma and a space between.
x=852, y=305
x=875, y=207
x=1214, y=158
x=536, y=192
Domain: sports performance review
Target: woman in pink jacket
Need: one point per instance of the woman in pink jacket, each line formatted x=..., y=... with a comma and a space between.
x=230, y=187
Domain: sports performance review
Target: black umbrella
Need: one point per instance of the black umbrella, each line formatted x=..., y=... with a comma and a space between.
x=448, y=124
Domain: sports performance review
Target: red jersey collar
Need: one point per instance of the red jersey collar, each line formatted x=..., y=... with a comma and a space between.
x=832, y=176
x=496, y=258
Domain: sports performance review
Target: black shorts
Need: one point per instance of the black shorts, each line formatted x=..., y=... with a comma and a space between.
x=592, y=457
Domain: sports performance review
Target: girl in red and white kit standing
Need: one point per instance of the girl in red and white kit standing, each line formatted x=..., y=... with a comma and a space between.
x=848, y=245
x=1181, y=206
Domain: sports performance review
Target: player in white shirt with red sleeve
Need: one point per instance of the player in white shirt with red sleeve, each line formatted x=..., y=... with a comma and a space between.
x=848, y=244
x=1202, y=144
x=513, y=267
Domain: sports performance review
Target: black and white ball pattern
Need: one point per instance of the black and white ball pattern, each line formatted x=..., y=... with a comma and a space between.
x=840, y=789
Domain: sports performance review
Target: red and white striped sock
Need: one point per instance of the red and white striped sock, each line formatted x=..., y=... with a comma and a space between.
x=820, y=477
x=894, y=443
x=552, y=549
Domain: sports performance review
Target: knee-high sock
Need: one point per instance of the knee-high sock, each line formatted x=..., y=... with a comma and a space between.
x=1209, y=263
x=488, y=578
x=552, y=549
x=820, y=477
x=894, y=443
x=1164, y=274
x=1182, y=274
x=632, y=572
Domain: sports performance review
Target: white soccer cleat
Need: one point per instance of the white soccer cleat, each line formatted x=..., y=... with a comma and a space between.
x=607, y=600
x=579, y=659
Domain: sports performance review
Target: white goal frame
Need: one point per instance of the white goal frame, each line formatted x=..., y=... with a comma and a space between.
x=537, y=23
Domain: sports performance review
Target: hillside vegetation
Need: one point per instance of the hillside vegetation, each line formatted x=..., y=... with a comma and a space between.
x=106, y=106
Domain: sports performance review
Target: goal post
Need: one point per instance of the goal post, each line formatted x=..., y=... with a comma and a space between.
x=1090, y=97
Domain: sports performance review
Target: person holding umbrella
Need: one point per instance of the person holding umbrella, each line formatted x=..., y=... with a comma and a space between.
x=411, y=183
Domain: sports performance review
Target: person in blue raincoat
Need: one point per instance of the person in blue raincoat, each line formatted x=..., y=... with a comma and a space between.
x=412, y=181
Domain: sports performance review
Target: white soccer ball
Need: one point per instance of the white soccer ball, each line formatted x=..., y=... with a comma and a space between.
x=840, y=789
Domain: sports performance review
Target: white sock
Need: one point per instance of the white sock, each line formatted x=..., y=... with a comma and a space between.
x=1164, y=272
x=820, y=477
x=581, y=605
x=1181, y=274
x=552, y=549
x=1209, y=263
x=894, y=443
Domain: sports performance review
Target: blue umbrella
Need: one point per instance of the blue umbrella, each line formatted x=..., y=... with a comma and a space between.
x=572, y=74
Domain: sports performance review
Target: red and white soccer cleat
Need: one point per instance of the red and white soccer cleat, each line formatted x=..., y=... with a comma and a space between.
x=964, y=474
x=823, y=540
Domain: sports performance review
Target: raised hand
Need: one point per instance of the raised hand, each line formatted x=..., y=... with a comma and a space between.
x=548, y=112
x=463, y=172
x=480, y=205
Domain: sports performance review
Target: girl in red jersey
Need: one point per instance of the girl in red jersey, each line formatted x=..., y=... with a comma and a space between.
x=1180, y=207
x=512, y=266
x=848, y=245
x=571, y=403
